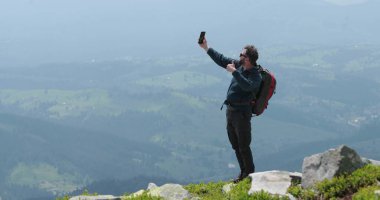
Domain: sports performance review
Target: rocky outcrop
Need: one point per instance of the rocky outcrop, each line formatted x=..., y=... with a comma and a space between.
x=273, y=182
x=329, y=164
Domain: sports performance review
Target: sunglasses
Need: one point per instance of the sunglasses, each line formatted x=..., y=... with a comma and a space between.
x=245, y=56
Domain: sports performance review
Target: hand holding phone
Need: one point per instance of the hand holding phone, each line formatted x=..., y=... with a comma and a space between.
x=202, y=41
x=201, y=37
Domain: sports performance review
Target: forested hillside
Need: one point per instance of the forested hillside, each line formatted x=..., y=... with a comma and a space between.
x=66, y=125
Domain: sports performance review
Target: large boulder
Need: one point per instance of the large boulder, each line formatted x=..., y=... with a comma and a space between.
x=273, y=182
x=329, y=164
x=170, y=192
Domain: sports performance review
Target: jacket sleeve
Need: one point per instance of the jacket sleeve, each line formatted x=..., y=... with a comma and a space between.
x=219, y=58
x=250, y=84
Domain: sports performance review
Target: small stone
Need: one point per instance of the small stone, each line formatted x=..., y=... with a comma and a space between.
x=377, y=193
x=291, y=197
x=227, y=188
x=170, y=192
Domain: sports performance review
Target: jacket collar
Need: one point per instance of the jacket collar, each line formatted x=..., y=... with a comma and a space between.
x=254, y=68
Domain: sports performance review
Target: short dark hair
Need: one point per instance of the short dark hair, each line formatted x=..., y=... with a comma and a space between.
x=252, y=54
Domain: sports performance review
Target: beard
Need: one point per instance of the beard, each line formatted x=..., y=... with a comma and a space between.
x=241, y=61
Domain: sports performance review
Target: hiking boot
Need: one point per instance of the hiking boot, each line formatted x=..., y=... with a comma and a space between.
x=241, y=177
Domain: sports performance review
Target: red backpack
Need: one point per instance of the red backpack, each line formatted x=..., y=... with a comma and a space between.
x=267, y=89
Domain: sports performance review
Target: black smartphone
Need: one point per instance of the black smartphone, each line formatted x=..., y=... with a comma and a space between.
x=201, y=37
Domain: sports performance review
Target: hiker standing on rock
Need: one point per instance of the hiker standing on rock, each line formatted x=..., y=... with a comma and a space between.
x=245, y=83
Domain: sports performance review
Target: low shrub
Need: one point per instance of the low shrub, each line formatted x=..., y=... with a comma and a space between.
x=143, y=196
x=300, y=193
x=367, y=193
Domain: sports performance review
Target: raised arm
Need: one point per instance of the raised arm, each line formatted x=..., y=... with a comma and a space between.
x=217, y=57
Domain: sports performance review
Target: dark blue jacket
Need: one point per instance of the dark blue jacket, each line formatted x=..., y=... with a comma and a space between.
x=244, y=84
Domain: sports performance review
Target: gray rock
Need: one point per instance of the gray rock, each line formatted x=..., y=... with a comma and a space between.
x=370, y=161
x=329, y=164
x=151, y=186
x=273, y=182
x=291, y=197
x=170, y=192
x=365, y=160
x=228, y=187
x=99, y=197
x=374, y=162
x=377, y=193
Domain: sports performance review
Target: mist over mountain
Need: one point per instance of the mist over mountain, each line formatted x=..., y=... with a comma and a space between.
x=99, y=94
x=43, y=31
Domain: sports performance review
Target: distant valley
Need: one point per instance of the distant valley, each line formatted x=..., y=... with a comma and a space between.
x=65, y=126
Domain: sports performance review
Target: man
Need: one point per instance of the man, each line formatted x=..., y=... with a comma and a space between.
x=245, y=83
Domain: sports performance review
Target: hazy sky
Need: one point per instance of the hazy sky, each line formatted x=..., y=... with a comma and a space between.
x=43, y=31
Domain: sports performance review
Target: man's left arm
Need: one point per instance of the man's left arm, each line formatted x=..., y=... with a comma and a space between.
x=250, y=83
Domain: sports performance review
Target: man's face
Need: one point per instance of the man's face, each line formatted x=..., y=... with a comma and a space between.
x=243, y=57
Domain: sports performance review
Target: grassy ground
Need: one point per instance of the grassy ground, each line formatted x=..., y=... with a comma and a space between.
x=360, y=185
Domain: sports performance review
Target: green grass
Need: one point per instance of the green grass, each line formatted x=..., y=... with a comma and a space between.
x=367, y=193
x=360, y=185
x=206, y=191
x=214, y=191
x=341, y=186
x=143, y=196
